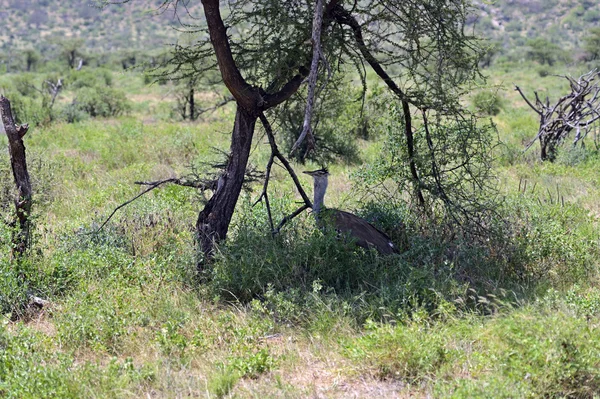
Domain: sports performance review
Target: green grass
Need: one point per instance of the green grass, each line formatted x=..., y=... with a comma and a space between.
x=303, y=314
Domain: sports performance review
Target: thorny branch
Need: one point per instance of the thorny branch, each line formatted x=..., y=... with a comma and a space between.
x=345, y=17
x=191, y=180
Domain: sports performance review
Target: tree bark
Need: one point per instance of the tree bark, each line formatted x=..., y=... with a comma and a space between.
x=18, y=163
x=193, y=115
x=213, y=220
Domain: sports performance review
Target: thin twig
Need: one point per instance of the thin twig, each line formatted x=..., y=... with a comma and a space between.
x=124, y=204
x=283, y=160
x=204, y=185
x=265, y=194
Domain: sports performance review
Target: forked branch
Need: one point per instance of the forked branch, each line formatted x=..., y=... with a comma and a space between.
x=276, y=154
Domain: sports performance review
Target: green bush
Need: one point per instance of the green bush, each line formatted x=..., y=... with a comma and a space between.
x=526, y=353
x=538, y=251
x=102, y=101
x=31, y=110
x=524, y=247
x=87, y=77
x=488, y=102
x=72, y=113
x=570, y=155
x=544, y=71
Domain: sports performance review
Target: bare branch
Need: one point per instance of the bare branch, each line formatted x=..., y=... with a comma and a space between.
x=283, y=160
x=517, y=88
x=186, y=182
x=218, y=105
x=312, y=79
x=152, y=187
x=276, y=154
x=574, y=111
x=289, y=217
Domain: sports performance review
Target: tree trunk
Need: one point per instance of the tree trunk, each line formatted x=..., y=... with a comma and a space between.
x=547, y=149
x=18, y=163
x=213, y=220
x=193, y=115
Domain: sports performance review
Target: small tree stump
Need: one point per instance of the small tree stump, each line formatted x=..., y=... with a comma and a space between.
x=18, y=163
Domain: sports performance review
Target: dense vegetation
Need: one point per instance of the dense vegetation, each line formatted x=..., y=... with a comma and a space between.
x=513, y=313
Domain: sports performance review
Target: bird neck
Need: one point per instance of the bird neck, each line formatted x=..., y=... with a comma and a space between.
x=320, y=188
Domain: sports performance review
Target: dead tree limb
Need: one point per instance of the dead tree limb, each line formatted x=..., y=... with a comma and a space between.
x=18, y=162
x=222, y=103
x=312, y=79
x=54, y=89
x=577, y=111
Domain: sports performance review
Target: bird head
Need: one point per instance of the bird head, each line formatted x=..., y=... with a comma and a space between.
x=317, y=173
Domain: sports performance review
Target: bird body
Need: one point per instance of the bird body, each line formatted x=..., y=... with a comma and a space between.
x=362, y=232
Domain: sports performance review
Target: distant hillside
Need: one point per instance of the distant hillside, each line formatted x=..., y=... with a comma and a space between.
x=514, y=22
x=141, y=24
x=42, y=23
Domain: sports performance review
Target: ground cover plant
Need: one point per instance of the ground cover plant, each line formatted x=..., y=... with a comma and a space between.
x=511, y=313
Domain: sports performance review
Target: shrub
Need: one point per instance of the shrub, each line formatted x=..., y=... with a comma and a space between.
x=544, y=71
x=90, y=78
x=488, y=102
x=572, y=155
x=29, y=110
x=102, y=101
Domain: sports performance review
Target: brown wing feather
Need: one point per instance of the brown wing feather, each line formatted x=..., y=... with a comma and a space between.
x=365, y=234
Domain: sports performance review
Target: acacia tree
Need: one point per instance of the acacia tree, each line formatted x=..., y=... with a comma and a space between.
x=265, y=50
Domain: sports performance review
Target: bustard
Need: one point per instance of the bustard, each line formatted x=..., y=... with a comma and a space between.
x=364, y=233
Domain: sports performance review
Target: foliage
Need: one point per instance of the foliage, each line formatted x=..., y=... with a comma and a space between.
x=488, y=102
x=30, y=103
x=592, y=44
x=544, y=51
x=523, y=247
x=509, y=313
x=533, y=352
x=129, y=314
x=87, y=77
x=342, y=116
x=453, y=158
x=102, y=101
